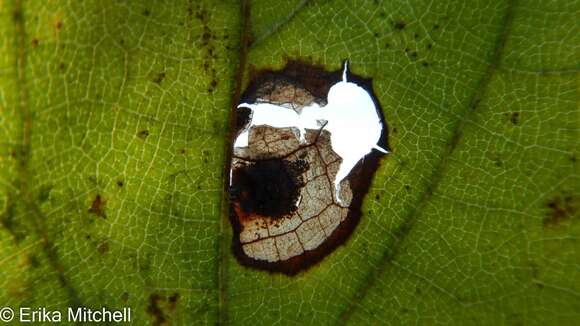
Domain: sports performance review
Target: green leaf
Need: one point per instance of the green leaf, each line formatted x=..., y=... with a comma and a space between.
x=114, y=123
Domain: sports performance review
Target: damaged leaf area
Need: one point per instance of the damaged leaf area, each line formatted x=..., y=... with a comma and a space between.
x=294, y=199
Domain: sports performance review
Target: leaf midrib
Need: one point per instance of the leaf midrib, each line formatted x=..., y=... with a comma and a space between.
x=25, y=195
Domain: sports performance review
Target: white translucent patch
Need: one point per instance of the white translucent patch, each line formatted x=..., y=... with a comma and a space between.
x=350, y=116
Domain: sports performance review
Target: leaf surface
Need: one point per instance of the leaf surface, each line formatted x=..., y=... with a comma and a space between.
x=114, y=123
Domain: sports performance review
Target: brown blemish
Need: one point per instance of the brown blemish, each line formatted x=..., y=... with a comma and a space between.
x=160, y=307
x=146, y=12
x=35, y=42
x=120, y=183
x=154, y=310
x=103, y=248
x=312, y=82
x=560, y=210
x=399, y=25
x=515, y=117
x=212, y=86
x=44, y=193
x=159, y=78
x=98, y=206
x=58, y=25
x=143, y=134
x=173, y=299
x=208, y=38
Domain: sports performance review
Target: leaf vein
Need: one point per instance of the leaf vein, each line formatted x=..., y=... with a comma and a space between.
x=404, y=230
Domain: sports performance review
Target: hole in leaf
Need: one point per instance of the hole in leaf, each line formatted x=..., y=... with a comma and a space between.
x=307, y=144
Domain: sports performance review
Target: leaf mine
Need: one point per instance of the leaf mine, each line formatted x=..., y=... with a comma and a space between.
x=299, y=172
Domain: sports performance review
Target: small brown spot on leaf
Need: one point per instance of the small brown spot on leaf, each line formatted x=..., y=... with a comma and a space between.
x=161, y=308
x=103, y=248
x=35, y=42
x=143, y=134
x=213, y=84
x=154, y=309
x=120, y=183
x=98, y=206
x=44, y=193
x=146, y=12
x=560, y=210
x=159, y=78
x=58, y=25
x=173, y=299
x=514, y=118
x=399, y=25
x=205, y=37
